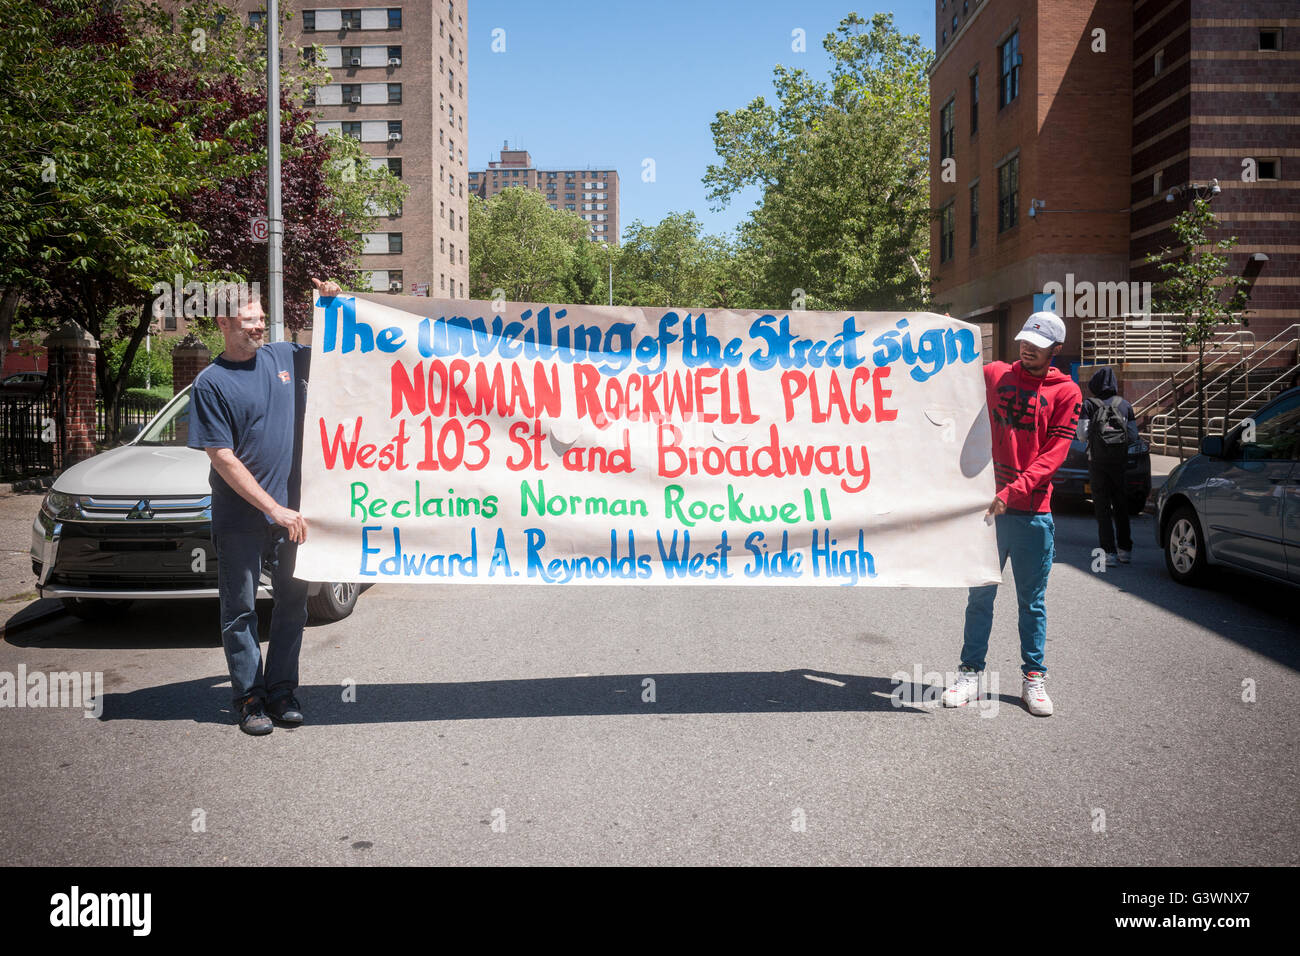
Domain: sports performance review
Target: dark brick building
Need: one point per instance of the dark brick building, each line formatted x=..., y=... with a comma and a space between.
x=1069, y=123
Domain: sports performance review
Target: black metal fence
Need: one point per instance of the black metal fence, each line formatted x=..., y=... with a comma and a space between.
x=30, y=434
x=31, y=427
x=132, y=410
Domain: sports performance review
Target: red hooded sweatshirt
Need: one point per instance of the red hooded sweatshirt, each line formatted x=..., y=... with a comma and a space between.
x=1033, y=421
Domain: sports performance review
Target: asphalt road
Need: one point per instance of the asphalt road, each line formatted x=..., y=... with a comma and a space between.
x=515, y=726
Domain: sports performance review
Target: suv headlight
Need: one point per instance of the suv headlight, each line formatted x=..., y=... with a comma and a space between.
x=61, y=507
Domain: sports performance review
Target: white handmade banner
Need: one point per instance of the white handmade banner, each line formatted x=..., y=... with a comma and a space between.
x=522, y=443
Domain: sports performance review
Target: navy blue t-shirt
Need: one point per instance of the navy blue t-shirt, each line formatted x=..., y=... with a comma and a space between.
x=256, y=409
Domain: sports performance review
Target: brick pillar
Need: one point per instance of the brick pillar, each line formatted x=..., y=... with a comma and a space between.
x=72, y=351
x=189, y=358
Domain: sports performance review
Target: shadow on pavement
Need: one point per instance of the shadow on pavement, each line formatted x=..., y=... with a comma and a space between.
x=207, y=700
x=1256, y=613
x=146, y=624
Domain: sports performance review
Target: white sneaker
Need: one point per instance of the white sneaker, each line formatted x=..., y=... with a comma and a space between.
x=1125, y=556
x=1110, y=559
x=965, y=689
x=1034, y=694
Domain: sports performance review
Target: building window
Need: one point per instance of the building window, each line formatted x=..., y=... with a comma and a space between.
x=1156, y=182
x=1010, y=75
x=351, y=19
x=1270, y=39
x=394, y=278
x=974, y=103
x=946, y=130
x=394, y=18
x=352, y=129
x=1269, y=169
x=395, y=126
x=351, y=92
x=1158, y=63
x=308, y=20
x=351, y=55
x=945, y=233
x=974, y=214
x=945, y=37
x=395, y=243
x=1008, y=193
x=394, y=92
x=256, y=20
x=394, y=52
x=395, y=167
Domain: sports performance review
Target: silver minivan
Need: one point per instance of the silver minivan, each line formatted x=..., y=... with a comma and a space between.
x=1237, y=503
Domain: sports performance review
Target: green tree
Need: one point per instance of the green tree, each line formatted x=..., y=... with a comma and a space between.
x=844, y=170
x=671, y=263
x=1194, y=287
x=131, y=168
x=521, y=246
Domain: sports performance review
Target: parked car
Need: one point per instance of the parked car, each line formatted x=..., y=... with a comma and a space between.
x=23, y=383
x=136, y=522
x=1237, y=503
x=1071, y=480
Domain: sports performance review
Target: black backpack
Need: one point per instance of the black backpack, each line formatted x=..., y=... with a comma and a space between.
x=1110, y=427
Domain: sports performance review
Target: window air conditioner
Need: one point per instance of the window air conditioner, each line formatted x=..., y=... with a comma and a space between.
x=394, y=137
x=394, y=286
x=356, y=99
x=394, y=61
x=355, y=61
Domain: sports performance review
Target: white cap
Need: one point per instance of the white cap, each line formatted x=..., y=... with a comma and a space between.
x=1043, y=329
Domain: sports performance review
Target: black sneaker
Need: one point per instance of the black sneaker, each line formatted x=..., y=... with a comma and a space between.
x=253, y=719
x=286, y=710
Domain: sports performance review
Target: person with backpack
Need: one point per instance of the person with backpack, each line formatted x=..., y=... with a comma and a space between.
x=1109, y=426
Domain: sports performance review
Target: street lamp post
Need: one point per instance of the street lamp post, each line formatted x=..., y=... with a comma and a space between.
x=275, y=226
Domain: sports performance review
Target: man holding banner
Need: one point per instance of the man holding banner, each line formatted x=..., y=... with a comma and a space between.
x=1034, y=409
x=247, y=414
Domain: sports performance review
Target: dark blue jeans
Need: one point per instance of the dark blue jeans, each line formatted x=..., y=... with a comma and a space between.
x=1030, y=542
x=240, y=556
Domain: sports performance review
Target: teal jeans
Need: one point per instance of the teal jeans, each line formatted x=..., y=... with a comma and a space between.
x=1030, y=542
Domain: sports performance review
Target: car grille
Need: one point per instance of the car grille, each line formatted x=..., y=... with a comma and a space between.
x=103, y=508
x=137, y=553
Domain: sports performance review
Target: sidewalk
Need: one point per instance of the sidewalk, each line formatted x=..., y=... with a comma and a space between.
x=18, y=601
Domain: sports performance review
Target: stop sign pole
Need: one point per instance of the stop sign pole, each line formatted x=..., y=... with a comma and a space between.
x=275, y=232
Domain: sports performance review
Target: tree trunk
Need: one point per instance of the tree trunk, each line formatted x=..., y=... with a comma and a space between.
x=8, y=306
x=1200, y=394
x=113, y=388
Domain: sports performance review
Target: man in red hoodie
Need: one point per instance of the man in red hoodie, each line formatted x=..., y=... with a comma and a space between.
x=1034, y=409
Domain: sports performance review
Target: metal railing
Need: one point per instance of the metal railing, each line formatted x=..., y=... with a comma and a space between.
x=1167, y=428
x=1139, y=337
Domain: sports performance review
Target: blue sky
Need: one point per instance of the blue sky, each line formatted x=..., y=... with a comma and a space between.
x=608, y=84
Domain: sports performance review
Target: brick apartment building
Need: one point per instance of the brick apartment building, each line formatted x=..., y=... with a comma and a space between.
x=399, y=86
x=1070, y=122
x=592, y=193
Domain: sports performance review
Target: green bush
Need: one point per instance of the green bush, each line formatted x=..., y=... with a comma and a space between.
x=150, y=368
